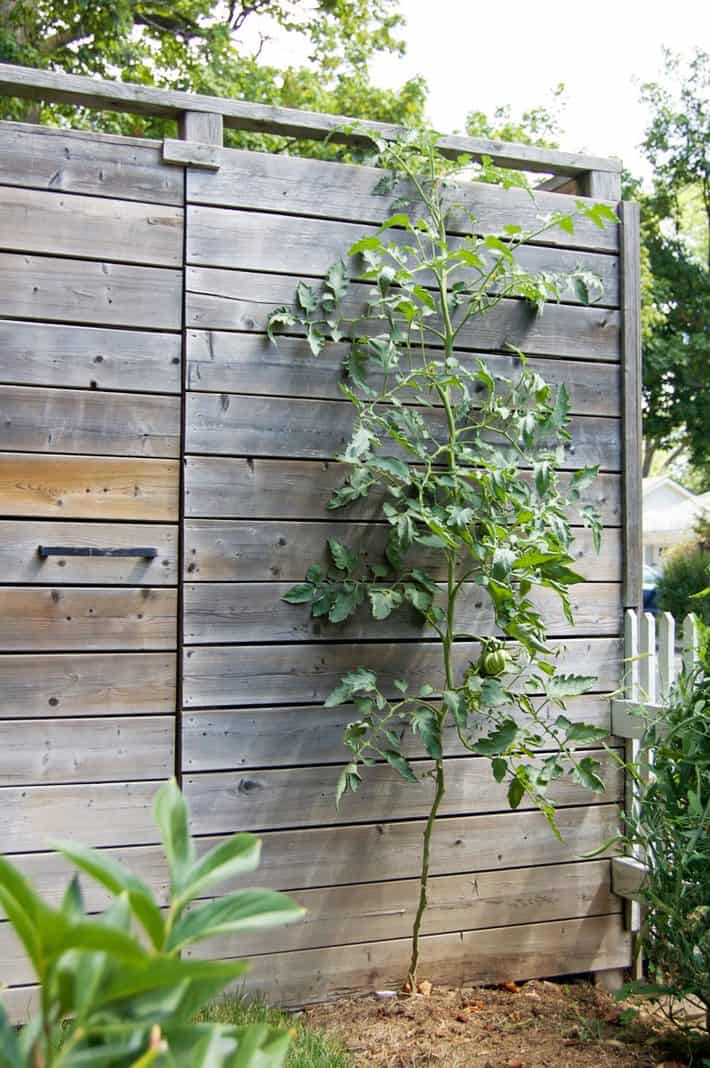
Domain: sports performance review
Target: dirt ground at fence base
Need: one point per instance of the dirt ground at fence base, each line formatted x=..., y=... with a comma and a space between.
x=538, y=1024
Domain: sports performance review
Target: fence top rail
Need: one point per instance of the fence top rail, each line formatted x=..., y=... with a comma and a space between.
x=82, y=91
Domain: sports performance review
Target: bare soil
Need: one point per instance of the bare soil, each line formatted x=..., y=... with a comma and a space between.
x=538, y=1024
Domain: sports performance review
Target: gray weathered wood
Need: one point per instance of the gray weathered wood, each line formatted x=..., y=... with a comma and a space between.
x=601, y=185
x=88, y=422
x=203, y=126
x=256, y=612
x=83, y=291
x=631, y=371
x=282, y=674
x=237, y=425
x=254, y=241
x=43, y=354
x=289, y=122
x=242, y=551
x=74, y=619
x=627, y=877
x=223, y=362
x=191, y=154
x=82, y=161
x=224, y=487
x=80, y=487
x=67, y=224
x=220, y=299
x=45, y=751
x=87, y=684
x=20, y=561
x=297, y=186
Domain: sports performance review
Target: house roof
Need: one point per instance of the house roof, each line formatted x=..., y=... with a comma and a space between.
x=677, y=521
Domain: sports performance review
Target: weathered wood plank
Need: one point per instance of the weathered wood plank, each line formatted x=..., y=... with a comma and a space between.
x=96, y=228
x=81, y=487
x=20, y=561
x=80, y=161
x=46, y=751
x=255, y=241
x=88, y=684
x=106, y=814
x=220, y=739
x=236, y=425
x=48, y=354
x=296, y=489
x=74, y=619
x=632, y=378
x=88, y=422
x=628, y=877
x=82, y=291
x=321, y=188
x=222, y=362
x=298, y=674
x=256, y=612
x=220, y=299
x=228, y=550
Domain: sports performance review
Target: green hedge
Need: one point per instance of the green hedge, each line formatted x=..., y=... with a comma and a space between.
x=686, y=570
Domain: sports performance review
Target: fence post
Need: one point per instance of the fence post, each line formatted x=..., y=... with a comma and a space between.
x=691, y=641
x=666, y=653
x=201, y=134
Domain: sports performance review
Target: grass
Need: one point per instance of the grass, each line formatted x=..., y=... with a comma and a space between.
x=309, y=1048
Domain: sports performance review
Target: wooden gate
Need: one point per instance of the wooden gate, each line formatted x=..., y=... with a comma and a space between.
x=134, y=295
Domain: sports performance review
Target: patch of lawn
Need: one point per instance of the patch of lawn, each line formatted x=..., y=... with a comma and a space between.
x=309, y=1048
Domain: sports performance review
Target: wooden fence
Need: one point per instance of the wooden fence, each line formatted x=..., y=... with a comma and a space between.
x=142, y=409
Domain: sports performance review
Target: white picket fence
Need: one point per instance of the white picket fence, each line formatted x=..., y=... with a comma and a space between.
x=654, y=654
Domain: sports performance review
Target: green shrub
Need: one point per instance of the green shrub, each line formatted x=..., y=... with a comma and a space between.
x=686, y=571
x=114, y=990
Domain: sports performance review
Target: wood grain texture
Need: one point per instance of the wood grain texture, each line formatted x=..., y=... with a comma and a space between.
x=20, y=561
x=297, y=674
x=256, y=612
x=325, y=189
x=79, y=161
x=88, y=422
x=222, y=362
x=493, y=955
x=232, y=550
x=223, y=487
x=84, y=291
x=88, y=684
x=223, y=739
x=220, y=299
x=254, y=241
x=236, y=425
x=50, y=751
x=65, y=619
x=81, y=487
x=632, y=378
x=96, y=228
x=45, y=354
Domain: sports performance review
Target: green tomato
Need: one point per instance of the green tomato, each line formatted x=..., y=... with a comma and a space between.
x=494, y=663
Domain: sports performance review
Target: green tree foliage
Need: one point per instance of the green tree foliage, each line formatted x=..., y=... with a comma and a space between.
x=686, y=573
x=539, y=125
x=212, y=46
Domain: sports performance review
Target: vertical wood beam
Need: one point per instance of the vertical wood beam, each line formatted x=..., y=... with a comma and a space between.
x=203, y=126
x=631, y=407
x=602, y=185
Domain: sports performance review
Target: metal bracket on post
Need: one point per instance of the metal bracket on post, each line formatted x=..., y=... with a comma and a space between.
x=200, y=142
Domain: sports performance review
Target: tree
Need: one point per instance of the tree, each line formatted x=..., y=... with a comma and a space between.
x=214, y=47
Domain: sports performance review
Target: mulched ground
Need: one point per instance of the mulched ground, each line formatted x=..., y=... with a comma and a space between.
x=538, y=1024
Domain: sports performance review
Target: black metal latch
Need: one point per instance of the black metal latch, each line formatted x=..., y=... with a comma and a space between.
x=74, y=550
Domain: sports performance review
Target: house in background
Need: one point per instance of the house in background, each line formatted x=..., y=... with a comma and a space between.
x=669, y=514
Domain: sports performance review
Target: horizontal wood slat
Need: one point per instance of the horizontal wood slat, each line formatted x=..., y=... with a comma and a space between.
x=60, y=224
x=232, y=550
x=295, y=674
x=82, y=291
x=88, y=684
x=20, y=561
x=46, y=354
x=70, y=618
x=88, y=422
x=78, y=161
x=493, y=955
x=254, y=241
x=232, y=424
x=266, y=182
x=222, y=802
x=256, y=611
x=220, y=739
x=81, y=487
x=222, y=362
x=220, y=299
x=300, y=489
x=48, y=751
